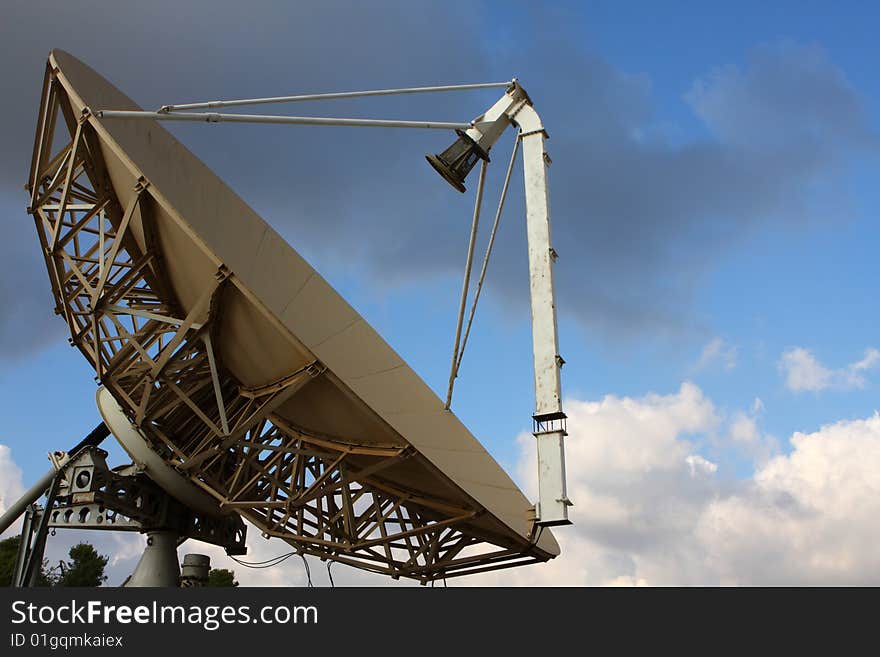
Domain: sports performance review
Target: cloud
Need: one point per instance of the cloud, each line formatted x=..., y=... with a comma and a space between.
x=717, y=351
x=803, y=372
x=639, y=487
x=638, y=218
x=700, y=466
x=327, y=182
x=28, y=321
x=870, y=360
x=788, y=94
x=651, y=510
x=647, y=219
x=808, y=517
x=10, y=484
x=745, y=435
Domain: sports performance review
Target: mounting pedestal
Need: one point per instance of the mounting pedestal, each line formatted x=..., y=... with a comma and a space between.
x=158, y=565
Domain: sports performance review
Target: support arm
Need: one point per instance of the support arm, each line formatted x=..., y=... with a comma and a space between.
x=515, y=108
x=549, y=429
x=545, y=340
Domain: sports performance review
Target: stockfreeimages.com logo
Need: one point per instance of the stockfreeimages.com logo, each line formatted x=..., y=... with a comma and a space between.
x=209, y=617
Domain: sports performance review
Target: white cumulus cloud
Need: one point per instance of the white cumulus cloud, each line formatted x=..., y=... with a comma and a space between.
x=10, y=484
x=700, y=466
x=745, y=434
x=649, y=509
x=804, y=373
x=809, y=517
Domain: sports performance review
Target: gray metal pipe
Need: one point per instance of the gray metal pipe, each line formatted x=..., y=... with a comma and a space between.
x=475, y=224
x=32, y=495
x=332, y=96
x=271, y=118
x=97, y=435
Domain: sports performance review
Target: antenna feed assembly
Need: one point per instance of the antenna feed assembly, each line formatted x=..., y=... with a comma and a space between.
x=474, y=143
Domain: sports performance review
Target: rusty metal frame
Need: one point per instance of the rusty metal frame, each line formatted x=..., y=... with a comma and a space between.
x=323, y=495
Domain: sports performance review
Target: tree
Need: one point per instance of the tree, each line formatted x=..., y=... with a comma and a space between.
x=86, y=567
x=221, y=577
x=8, y=556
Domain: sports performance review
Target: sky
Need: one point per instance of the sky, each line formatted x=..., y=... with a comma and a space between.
x=713, y=205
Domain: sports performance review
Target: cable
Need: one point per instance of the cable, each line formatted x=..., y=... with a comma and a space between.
x=264, y=564
x=458, y=353
x=482, y=277
x=331, y=96
x=330, y=575
x=278, y=558
x=257, y=563
x=274, y=561
x=308, y=571
x=453, y=372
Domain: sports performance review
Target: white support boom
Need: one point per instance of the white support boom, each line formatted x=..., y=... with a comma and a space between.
x=515, y=107
x=550, y=428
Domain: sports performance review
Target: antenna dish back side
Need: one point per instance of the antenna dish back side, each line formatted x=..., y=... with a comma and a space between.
x=242, y=368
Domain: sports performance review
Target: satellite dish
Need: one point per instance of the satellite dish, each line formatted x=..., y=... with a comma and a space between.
x=240, y=373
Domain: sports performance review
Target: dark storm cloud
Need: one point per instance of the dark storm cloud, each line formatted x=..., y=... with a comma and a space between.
x=169, y=51
x=26, y=319
x=638, y=218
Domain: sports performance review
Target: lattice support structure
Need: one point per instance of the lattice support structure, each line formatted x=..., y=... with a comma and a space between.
x=91, y=496
x=325, y=497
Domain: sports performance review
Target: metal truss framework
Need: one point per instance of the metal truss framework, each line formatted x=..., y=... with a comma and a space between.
x=324, y=496
x=92, y=496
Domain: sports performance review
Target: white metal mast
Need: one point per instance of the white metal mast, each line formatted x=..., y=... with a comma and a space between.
x=516, y=108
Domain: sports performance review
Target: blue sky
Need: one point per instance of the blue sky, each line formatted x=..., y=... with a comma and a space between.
x=786, y=92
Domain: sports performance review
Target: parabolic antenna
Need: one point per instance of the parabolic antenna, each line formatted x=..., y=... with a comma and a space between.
x=239, y=366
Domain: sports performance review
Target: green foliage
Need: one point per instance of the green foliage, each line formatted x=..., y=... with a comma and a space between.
x=8, y=555
x=221, y=577
x=86, y=567
x=8, y=552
